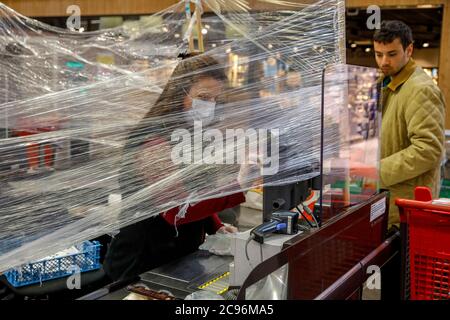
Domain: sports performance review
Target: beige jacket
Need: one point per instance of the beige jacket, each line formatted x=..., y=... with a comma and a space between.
x=412, y=135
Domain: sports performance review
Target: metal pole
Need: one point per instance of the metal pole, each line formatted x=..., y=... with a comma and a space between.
x=201, y=47
x=188, y=19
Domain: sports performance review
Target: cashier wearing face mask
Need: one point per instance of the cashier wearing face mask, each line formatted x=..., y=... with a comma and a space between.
x=190, y=95
x=199, y=103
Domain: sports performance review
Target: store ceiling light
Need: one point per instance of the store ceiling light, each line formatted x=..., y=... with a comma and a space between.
x=353, y=45
x=425, y=45
x=368, y=49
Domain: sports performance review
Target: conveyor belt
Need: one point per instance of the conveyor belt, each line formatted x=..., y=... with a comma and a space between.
x=199, y=270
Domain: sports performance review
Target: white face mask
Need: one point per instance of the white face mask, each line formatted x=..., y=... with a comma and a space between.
x=202, y=111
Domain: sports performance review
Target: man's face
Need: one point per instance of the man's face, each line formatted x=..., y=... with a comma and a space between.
x=391, y=57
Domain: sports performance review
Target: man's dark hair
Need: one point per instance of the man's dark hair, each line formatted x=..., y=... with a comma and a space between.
x=392, y=29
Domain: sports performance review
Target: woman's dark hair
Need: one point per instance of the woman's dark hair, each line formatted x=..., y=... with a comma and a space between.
x=393, y=29
x=191, y=69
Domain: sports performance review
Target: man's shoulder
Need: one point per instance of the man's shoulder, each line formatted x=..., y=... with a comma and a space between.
x=419, y=79
x=421, y=92
x=418, y=86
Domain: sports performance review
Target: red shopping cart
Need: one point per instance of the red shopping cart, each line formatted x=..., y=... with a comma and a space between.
x=426, y=226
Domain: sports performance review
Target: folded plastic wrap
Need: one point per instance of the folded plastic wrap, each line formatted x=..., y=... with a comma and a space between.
x=104, y=129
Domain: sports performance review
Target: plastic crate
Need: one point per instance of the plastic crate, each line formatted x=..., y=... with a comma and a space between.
x=445, y=192
x=428, y=228
x=86, y=259
x=445, y=183
x=445, y=189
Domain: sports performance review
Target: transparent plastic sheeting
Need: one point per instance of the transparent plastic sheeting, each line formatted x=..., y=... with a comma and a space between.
x=104, y=129
x=351, y=112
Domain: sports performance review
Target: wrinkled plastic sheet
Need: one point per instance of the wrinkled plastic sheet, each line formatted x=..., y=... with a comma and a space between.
x=98, y=130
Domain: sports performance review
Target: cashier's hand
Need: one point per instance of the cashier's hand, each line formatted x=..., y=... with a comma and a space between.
x=227, y=229
x=250, y=173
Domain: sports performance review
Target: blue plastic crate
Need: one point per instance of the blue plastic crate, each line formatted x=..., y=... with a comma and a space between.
x=87, y=259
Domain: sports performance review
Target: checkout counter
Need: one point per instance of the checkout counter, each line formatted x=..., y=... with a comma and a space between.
x=327, y=262
x=177, y=279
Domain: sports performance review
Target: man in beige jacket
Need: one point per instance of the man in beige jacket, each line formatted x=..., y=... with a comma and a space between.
x=412, y=130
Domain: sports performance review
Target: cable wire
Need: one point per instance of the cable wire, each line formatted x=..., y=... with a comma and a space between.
x=261, y=252
x=304, y=217
x=246, y=245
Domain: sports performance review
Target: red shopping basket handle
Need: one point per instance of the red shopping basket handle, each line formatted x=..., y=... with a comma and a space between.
x=423, y=201
x=423, y=194
x=414, y=204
